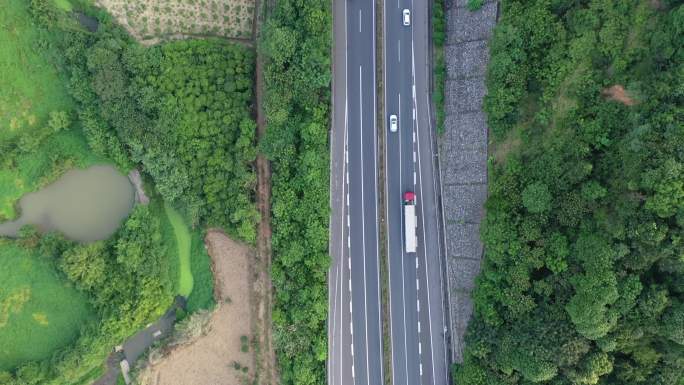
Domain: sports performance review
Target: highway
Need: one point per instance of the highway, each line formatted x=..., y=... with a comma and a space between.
x=355, y=329
x=417, y=318
x=417, y=303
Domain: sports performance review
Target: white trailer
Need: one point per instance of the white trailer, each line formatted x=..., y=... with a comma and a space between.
x=410, y=222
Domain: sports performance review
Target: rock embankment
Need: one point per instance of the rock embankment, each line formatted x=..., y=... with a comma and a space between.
x=463, y=155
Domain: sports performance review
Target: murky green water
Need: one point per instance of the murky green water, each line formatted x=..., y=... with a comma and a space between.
x=85, y=205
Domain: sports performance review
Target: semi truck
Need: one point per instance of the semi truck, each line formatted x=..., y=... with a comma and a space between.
x=410, y=222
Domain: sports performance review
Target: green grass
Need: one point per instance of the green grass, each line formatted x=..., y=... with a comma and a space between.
x=64, y=5
x=39, y=310
x=202, y=296
x=30, y=85
x=183, y=244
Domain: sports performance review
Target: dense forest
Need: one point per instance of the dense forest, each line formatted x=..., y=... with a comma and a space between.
x=583, y=279
x=296, y=42
x=182, y=110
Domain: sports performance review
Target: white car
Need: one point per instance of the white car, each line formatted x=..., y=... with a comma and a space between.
x=393, y=123
x=406, y=17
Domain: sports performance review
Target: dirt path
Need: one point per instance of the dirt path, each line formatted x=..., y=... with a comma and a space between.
x=219, y=356
x=262, y=283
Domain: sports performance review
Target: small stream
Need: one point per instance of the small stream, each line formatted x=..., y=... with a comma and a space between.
x=85, y=205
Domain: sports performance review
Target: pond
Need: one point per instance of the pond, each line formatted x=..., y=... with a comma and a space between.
x=85, y=205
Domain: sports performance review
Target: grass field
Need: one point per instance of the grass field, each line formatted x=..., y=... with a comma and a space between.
x=30, y=86
x=39, y=311
x=183, y=243
x=192, y=276
x=202, y=296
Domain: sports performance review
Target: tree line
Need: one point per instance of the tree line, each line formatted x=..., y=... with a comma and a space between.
x=296, y=42
x=583, y=276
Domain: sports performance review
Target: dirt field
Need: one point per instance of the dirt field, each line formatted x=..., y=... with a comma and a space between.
x=152, y=20
x=212, y=359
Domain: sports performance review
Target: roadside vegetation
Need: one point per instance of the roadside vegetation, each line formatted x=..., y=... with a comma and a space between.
x=296, y=43
x=583, y=279
x=439, y=61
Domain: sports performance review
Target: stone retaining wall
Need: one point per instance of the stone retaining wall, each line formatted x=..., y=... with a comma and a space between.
x=463, y=155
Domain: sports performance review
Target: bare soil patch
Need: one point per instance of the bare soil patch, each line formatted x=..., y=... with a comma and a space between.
x=153, y=20
x=619, y=94
x=218, y=356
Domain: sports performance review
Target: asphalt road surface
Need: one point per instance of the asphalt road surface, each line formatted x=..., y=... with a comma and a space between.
x=417, y=316
x=355, y=333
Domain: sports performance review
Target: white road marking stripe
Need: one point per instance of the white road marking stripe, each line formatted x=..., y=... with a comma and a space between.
x=418, y=326
x=420, y=348
x=350, y=285
x=363, y=223
x=418, y=305
x=359, y=21
x=432, y=353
